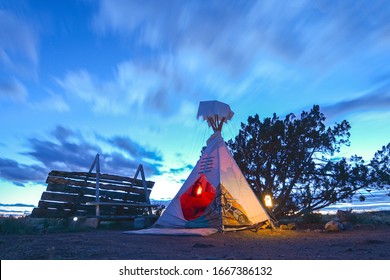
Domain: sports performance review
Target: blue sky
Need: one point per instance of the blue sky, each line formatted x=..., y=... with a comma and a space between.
x=124, y=79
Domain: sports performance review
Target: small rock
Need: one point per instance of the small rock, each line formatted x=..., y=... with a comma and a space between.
x=336, y=219
x=373, y=241
x=202, y=245
x=334, y=226
x=283, y=227
x=342, y=215
x=292, y=226
x=347, y=225
x=91, y=223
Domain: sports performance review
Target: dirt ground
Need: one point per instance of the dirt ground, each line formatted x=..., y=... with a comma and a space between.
x=364, y=243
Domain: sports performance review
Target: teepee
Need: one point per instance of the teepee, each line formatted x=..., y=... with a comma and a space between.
x=216, y=194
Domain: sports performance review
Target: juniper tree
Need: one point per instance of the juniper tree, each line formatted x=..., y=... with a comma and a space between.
x=294, y=160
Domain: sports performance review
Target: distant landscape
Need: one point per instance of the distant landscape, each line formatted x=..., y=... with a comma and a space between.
x=15, y=210
x=21, y=210
x=375, y=201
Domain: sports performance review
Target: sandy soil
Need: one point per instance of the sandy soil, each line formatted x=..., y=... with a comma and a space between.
x=360, y=243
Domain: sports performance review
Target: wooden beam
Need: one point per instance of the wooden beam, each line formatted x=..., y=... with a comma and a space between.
x=108, y=186
x=122, y=196
x=114, y=178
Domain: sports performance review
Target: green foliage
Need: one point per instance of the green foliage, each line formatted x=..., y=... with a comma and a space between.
x=294, y=159
x=312, y=218
x=370, y=218
x=26, y=225
x=354, y=218
x=380, y=167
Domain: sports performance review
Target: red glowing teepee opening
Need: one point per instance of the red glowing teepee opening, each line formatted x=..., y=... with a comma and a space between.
x=197, y=198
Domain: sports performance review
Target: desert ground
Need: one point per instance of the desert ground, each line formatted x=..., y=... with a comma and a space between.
x=365, y=242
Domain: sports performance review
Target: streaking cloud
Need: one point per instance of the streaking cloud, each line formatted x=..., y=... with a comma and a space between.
x=66, y=149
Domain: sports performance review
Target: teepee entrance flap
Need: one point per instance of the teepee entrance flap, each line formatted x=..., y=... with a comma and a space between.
x=197, y=198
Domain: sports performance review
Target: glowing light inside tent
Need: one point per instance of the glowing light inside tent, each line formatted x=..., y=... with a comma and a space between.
x=198, y=190
x=197, y=198
x=268, y=200
x=75, y=219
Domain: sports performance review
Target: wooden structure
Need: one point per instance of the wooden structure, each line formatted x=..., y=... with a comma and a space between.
x=92, y=194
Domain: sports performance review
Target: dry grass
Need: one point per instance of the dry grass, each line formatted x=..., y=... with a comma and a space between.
x=27, y=225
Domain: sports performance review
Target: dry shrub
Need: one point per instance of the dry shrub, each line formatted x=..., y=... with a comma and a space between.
x=312, y=218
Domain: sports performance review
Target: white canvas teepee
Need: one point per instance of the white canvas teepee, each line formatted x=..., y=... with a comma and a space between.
x=216, y=194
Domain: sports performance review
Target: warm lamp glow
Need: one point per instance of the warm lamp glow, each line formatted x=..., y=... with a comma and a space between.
x=268, y=200
x=199, y=191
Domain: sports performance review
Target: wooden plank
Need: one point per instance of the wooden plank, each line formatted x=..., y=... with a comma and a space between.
x=124, y=217
x=116, y=218
x=51, y=179
x=69, y=208
x=114, y=210
x=74, y=198
x=54, y=213
x=121, y=204
x=122, y=208
x=89, y=191
x=69, y=189
x=85, y=209
x=125, y=180
x=65, y=197
x=108, y=177
x=102, y=186
x=64, y=205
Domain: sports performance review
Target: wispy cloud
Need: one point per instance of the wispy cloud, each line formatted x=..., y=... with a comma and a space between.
x=19, y=56
x=13, y=89
x=19, y=42
x=53, y=102
x=378, y=99
x=133, y=86
x=180, y=170
x=238, y=48
x=237, y=31
x=19, y=174
x=70, y=153
x=67, y=149
x=135, y=150
x=209, y=27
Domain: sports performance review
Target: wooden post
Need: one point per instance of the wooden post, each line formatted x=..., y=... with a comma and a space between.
x=140, y=169
x=97, y=185
x=220, y=209
x=96, y=164
x=144, y=184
